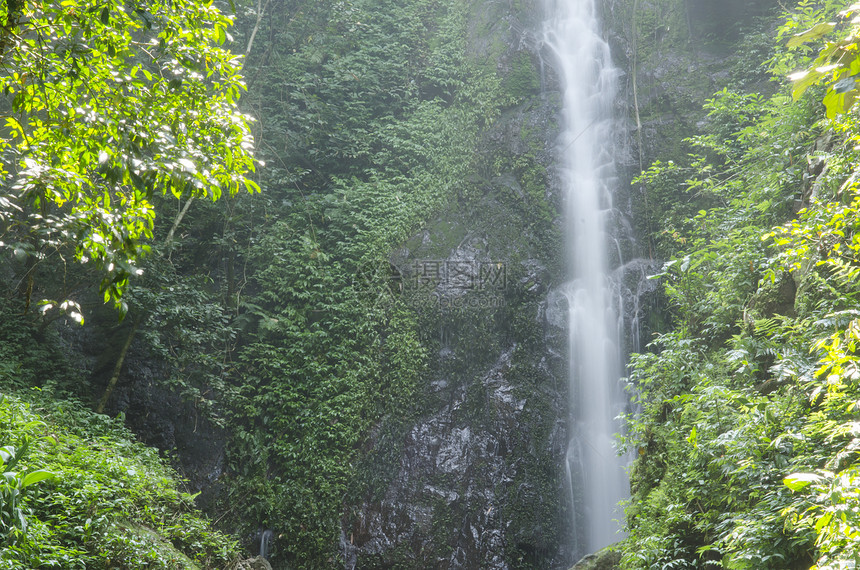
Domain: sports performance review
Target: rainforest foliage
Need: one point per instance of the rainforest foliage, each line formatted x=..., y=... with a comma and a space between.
x=747, y=433
x=79, y=492
x=275, y=318
x=370, y=113
x=105, y=105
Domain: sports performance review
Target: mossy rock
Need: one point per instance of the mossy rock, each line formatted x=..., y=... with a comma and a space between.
x=775, y=297
x=257, y=563
x=127, y=535
x=606, y=559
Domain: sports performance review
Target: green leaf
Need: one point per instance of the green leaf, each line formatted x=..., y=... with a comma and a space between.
x=187, y=165
x=803, y=81
x=35, y=477
x=105, y=16
x=837, y=103
x=693, y=437
x=811, y=34
x=6, y=453
x=798, y=481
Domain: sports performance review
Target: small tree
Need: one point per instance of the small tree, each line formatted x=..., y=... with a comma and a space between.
x=103, y=105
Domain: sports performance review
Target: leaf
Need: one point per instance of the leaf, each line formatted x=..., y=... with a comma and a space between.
x=837, y=103
x=823, y=521
x=145, y=17
x=6, y=453
x=811, y=34
x=35, y=477
x=798, y=481
x=105, y=16
x=803, y=81
x=187, y=165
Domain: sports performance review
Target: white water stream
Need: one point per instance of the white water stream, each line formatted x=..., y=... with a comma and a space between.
x=596, y=475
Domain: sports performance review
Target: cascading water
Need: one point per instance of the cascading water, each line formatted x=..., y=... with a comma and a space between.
x=266, y=538
x=596, y=475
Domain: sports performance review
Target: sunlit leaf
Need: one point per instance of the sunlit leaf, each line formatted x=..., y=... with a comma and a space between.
x=811, y=34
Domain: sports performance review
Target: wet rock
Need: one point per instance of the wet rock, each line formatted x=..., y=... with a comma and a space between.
x=446, y=506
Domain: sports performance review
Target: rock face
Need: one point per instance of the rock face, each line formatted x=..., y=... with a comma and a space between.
x=675, y=55
x=478, y=480
x=459, y=480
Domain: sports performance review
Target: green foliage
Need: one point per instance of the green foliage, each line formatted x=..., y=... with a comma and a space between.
x=373, y=114
x=280, y=316
x=837, y=64
x=28, y=356
x=102, y=500
x=747, y=438
x=111, y=500
x=12, y=488
x=106, y=105
x=523, y=80
x=183, y=321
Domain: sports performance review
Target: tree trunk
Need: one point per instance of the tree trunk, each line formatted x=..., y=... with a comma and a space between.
x=118, y=367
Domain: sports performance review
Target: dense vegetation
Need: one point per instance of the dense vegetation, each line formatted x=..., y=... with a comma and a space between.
x=333, y=350
x=77, y=490
x=106, y=108
x=746, y=434
x=272, y=318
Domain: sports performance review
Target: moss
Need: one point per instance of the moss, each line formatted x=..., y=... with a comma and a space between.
x=523, y=79
x=606, y=559
x=144, y=542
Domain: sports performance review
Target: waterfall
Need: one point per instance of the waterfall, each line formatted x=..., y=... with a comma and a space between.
x=596, y=475
x=265, y=542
